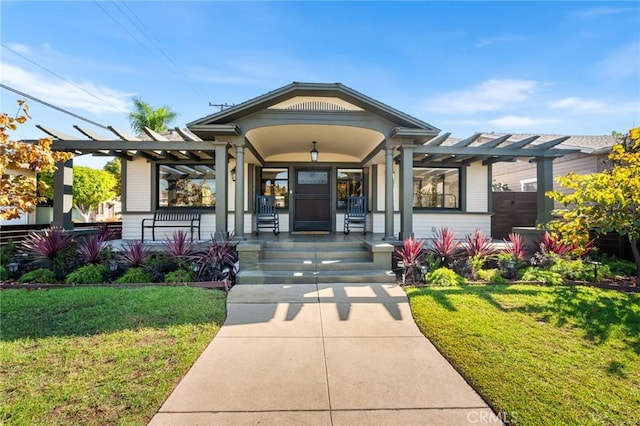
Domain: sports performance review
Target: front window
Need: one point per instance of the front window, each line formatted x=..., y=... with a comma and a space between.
x=349, y=183
x=437, y=188
x=276, y=182
x=186, y=185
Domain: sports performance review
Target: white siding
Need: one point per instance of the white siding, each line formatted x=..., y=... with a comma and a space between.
x=132, y=227
x=138, y=185
x=424, y=224
x=380, y=188
x=477, y=188
x=377, y=223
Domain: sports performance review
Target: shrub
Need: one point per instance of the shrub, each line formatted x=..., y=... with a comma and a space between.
x=39, y=276
x=553, y=244
x=87, y=274
x=579, y=270
x=509, y=266
x=7, y=252
x=463, y=267
x=4, y=273
x=157, y=265
x=134, y=275
x=445, y=246
x=619, y=266
x=493, y=276
x=179, y=276
x=543, y=275
x=445, y=277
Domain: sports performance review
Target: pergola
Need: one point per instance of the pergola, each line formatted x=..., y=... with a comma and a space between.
x=408, y=147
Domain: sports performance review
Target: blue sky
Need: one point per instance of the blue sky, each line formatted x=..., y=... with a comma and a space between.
x=518, y=67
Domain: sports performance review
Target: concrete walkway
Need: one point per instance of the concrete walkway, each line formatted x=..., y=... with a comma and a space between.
x=325, y=354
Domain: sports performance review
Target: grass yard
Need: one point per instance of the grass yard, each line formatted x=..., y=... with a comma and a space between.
x=99, y=355
x=541, y=355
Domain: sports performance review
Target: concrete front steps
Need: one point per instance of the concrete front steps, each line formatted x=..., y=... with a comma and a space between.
x=314, y=262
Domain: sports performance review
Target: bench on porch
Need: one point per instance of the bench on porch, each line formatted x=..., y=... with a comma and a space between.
x=267, y=214
x=356, y=214
x=173, y=218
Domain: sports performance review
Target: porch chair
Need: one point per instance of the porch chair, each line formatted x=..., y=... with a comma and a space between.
x=267, y=214
x=356, y=214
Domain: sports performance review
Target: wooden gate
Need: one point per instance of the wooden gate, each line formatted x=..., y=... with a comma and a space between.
x=512, y=209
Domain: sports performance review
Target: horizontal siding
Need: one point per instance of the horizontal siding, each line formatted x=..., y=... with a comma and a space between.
x=132, y=223
x=462, y=224
x=381, y=185
x=377, y=223
x=477, y=188
x=139, y=189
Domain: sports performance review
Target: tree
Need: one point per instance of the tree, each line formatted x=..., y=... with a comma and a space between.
x=144, y=115
x=604, y=202
x=114, y=167
x=19, y=192
x=90, y=188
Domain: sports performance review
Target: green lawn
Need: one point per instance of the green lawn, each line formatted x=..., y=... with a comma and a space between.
x=542, y=355
x=99, y=355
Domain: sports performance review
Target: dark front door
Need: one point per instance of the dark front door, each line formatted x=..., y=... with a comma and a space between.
x=312, y=195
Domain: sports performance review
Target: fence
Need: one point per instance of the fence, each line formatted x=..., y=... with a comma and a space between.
x=17, y=233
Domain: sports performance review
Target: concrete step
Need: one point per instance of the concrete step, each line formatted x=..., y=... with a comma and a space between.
x=339, y=264
x=309, y=254
x=312, y=245
x=308, y=277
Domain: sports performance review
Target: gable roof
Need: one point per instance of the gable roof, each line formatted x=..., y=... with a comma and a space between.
x=294, y=89
x=586, y=143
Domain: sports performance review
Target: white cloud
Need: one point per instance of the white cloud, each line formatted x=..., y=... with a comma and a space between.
x=622, y=62
x=603, y=11
x=511, y=121
x=486, y=41
x=579, y=105
x=85, y=96
x=489, y=95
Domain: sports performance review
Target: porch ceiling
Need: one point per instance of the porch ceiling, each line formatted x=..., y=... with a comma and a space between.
x=293, y=142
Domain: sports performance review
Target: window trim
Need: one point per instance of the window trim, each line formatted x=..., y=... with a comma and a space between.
x=364, y=188
x=260, y=181
x=461, y=194
x=156, y=185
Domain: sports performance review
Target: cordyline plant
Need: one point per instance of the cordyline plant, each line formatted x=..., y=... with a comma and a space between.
x=411, y=253
x=217, y=257
x=515, y=246
x=19, y=192
x=445, y=246
x=479, y=245
x=553, y=244
x=134, y=254
x=91, y=248
x=179, y=247
x=48, y=245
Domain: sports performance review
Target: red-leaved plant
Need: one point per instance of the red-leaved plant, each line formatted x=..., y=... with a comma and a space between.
x=411, y=253
x=134, y=254
x=91, y=247
x=444, y=245
x=553, y=244
x=515, y=246
x=53, y=242
x=479, y=245
x=216, y=258
x=179, y=246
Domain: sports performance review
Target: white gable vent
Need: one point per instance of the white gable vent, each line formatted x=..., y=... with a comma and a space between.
x=316, y=106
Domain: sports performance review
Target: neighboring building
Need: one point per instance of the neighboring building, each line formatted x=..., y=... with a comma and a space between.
x=521, y=175
x=415, y=180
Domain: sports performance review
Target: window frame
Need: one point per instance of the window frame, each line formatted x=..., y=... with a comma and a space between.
x=363, y=185
x=279, y=170
x=158, y=179
x=459, y=200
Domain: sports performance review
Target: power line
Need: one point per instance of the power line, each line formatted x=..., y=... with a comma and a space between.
x=52, y=106
x=163, y=51
x=62, y=78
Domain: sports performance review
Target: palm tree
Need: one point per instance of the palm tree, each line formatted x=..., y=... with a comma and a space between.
x=144, y=115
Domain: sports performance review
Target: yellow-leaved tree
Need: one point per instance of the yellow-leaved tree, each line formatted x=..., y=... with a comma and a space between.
x=19, y=192
x=604, y=202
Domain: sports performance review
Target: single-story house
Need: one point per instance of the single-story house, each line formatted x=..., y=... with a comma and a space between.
x=311, y=145
x=592, y=157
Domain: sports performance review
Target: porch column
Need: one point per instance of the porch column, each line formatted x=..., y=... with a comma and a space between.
x=545, y=183
x=388, y=193
x=239, y=209
x=63, y=194
x=406, y=191
x=222, y=160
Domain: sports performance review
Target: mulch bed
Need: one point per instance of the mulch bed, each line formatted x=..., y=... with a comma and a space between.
x=221, y=285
